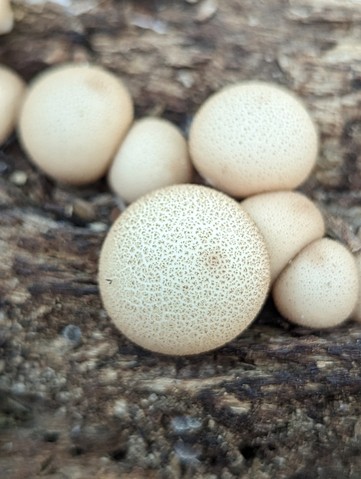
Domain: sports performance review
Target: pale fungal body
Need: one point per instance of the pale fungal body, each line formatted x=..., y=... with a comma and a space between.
x=184, y=270
x=356, y=315
x=154, y=154
x=288, y=221
x=319, y=288
x=6, y=17
x=73, y=120
x=12, y=90
x=253, y=137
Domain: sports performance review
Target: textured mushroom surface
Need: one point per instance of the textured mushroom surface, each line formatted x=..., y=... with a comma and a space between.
x=73, y=120
x=319, y=289
x=253, y=137
x=154, y=154
x=288, y=221
x=356, y=315
x=184, y=270
x=6, y=17
x=12, y=90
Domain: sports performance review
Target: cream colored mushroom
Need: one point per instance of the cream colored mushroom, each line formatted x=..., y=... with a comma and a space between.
x=6, y=17
x=253, y=137
x=73, y=120
x=319, y=288
x=153, y=155
x=12, y=90
x=183, y=270
x=288, y=221
x=356, y=315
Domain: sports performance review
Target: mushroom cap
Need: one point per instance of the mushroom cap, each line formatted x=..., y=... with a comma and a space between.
x=12, y=90
x=73, y=120
x=154, y=154
x=320, y=286
x=356, y=314
x=253, y=137
x=6, y=17
x=183, y=270
x=288, y=221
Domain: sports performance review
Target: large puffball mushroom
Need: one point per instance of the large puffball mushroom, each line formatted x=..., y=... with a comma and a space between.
x=288, y=221
x=12, y=90
x=73, y=120
x=6, y=17
x=154, y=154
x=253, y=137
x=319, y=288
x=183, y=270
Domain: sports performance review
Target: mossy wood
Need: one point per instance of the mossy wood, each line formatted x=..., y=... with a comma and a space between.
x=278, y=401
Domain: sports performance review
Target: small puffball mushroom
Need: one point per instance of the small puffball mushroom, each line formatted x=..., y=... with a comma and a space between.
x=356, y=315
x=154, y=154
x=253, y=137
x=12, y=90
x=288, y=222
x=183, y=270
x=73, y=120
x=319, y=288
x=6, y=17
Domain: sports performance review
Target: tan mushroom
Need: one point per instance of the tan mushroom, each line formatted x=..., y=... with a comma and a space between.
x=184, y=270
x=253, y=137
x=6, y=17
x=319, y=288
x=12, y=90
x=73, y=120
x=356, y=315
x=288, y=221
x=154, y=154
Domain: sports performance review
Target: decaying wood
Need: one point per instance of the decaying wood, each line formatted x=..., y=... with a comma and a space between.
x=76, y=398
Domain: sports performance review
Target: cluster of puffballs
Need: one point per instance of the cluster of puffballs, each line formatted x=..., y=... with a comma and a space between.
x=187, y=267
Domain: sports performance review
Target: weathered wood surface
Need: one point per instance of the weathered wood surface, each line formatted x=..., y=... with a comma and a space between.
x=278, y=401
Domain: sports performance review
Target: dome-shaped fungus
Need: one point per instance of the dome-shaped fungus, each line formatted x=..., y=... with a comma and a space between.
x=253, y=137
x=319, y=288
x=154, y=154
x=73, y=120
x=183, y=270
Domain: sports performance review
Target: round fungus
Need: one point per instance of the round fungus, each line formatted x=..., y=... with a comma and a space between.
x=320, y=286
x=356, y=315
x=288, y=221
x=12, y=90
x=183, y=270
x=6, y=17
x=253, y=137
x=73, y=120
x=154, y=154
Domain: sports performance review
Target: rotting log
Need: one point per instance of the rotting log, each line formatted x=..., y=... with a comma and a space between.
x=278, y=401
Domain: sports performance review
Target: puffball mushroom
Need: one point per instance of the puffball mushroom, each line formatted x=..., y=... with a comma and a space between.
x=319, y=288
x=12, y=90
x=73, y=120
x=183, y=270
x=288, y=221
x=6, y=17
x=356, y=315
x=154, y=154
x=253, y=137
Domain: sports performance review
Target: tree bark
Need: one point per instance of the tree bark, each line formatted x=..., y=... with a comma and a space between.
x=76, y=398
